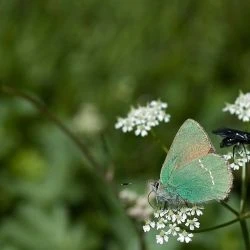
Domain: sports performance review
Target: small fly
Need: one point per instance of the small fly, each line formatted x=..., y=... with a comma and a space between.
x=126, y=183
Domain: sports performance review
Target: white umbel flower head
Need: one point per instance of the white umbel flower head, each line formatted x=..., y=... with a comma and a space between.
x=241, y=107
x=168, y=223
x=238, y=160
x=142, y=119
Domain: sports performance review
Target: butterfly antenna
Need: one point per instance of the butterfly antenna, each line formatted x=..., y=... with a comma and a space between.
x=149, y=199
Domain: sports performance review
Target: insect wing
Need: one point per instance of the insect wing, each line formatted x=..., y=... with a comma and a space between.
x=232, y=133
x=202, y=180
x=191, y=142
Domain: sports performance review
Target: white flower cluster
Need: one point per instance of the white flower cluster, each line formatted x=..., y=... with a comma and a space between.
x=241, y=107
x=238, y=160
x=169, y=223
x=137, y=206
x=142, y=119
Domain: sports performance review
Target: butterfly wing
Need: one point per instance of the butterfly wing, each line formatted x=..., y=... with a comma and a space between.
x=191, y=142
x=202, y=180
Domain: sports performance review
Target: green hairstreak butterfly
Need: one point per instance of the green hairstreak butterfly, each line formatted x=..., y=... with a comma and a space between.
x=192, y=173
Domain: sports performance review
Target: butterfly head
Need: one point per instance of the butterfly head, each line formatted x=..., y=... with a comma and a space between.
x=155, y=186
x=165, y=197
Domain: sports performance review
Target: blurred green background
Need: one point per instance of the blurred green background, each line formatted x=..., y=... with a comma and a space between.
x=89, y=61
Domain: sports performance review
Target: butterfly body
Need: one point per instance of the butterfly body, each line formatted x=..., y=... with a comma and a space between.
x=192, y=173
x=167, y=195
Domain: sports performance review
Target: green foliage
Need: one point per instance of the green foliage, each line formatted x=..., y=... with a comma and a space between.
x=109, y=55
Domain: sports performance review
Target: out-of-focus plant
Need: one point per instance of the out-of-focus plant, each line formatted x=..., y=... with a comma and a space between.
x=181, y=221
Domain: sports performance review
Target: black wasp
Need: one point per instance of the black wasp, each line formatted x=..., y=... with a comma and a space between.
x=233, y=137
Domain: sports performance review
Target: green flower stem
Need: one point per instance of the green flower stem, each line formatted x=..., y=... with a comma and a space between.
x=141, y=235
x=42, y=108
x=245, y=234
x=110, y=170
x=223, y=203
x=157, y=140
x=216, y=227
x=243, y=223
x=243, y=188
x=239, y=218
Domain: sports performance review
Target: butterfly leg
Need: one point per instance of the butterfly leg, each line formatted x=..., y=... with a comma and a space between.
x=186, y=204
x=234, y=151
x=165, y=205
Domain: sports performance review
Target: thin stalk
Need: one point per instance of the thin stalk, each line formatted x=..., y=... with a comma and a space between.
x=42, y=108
x=239, y=218
x=245, y=234
x=243, y=223
x=158, y=141
x=216, y=227
x=223, y=203
x=142, y=243
x=110, y=172
x=243, y=188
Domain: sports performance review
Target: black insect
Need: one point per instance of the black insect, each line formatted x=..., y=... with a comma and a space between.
x=233, y=137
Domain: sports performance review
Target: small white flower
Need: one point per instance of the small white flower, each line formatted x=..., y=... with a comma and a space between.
x=183, y=213
x=240, y=158
x=185, y=237
x=146, y=228
x=196, y=210
x=160, y=238
x=192, y=223
x=152, y=224
x=160, y=224
x=160, y=213
x=158, y=105
x=120, y=123
x=228, y=156
x=179, y=218
x=149, y=224
x=241, y=107
x=169, y=215
x=163, y=213
x=167, y=118
x=157, y=214
x=142, y=119
x=142, y=130
x=173, y=229
x=127, y=125
x=165, y=238
x=234, y=166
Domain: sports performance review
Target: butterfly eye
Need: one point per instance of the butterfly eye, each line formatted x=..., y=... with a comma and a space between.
x=156, y=185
